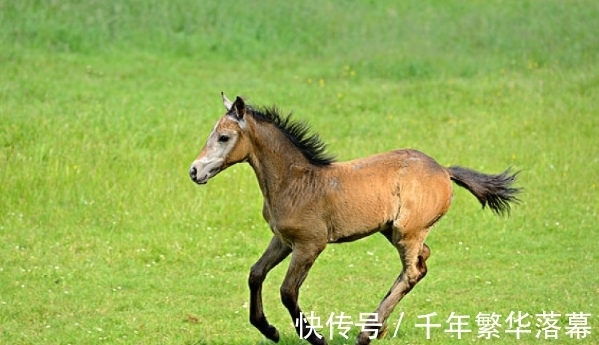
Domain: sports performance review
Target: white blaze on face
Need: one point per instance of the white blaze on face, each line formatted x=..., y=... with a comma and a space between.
x=214, y=155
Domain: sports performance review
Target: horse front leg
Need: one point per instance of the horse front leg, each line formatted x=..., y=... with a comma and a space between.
x=302, y=259
x=276, y=252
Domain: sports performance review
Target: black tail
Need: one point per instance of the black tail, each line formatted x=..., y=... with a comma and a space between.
x=493, y=190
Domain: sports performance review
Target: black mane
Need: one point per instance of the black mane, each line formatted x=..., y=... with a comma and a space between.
x=310, y=144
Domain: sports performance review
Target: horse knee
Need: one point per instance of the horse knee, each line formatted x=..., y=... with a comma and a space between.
x=288, y=297
x=256, y=278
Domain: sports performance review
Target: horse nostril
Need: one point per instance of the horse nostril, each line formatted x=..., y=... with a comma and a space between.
x=192, y=172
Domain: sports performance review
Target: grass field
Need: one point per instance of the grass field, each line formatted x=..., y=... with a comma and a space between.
x=104, y=104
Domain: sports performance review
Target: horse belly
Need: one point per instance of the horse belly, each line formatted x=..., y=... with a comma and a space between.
x=361, y=216
x=342, y=236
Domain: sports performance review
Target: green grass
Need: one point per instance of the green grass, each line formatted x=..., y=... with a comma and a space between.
x=104, y=105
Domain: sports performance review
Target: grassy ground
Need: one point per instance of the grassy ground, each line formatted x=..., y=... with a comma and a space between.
x=103, y=106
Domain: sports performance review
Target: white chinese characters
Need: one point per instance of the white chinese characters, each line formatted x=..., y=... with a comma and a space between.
x=484, y=325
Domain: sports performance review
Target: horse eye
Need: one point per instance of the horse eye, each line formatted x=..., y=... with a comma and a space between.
x=223, y=138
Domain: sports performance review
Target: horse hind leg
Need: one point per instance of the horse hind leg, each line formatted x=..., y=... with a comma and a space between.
x=424, y=254
x=413, y=253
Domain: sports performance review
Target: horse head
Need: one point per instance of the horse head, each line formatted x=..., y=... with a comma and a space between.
x=227, y=144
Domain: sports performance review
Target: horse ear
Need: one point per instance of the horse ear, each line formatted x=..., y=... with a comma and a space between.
x=226, y=102
x=239, y=107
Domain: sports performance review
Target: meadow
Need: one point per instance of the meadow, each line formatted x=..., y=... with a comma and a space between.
x=104, y=239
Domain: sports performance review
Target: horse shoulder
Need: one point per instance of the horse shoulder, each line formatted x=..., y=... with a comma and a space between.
x=294, y=212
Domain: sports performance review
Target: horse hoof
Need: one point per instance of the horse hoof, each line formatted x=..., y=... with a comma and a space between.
x=323, y=341
x=363, y=339
x=317, y=341
x=272, y=334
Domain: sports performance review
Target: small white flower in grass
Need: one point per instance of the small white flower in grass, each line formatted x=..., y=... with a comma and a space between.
x=370, y=253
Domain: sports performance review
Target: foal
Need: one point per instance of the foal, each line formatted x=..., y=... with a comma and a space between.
x=311, y=200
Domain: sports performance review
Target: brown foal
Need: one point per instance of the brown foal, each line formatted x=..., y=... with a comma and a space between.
x=311, y=200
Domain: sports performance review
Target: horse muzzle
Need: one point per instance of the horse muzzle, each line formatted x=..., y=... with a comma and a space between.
x=202, y=177
x=193, y=173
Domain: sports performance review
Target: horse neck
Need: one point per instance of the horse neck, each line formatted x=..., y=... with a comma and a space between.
x=275, y=159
